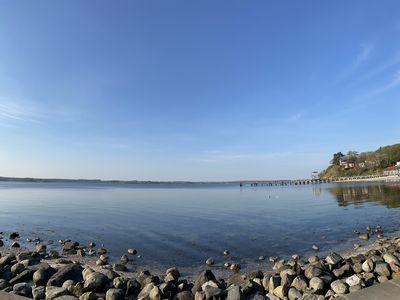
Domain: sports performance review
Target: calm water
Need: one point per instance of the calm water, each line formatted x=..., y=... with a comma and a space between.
x=185, y=224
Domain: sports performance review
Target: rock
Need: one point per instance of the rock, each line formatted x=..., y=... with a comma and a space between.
x=368, y=265
x=341, y=271
x=281, y=291
x=278, y=265
x=312, y=271
x=203, y=277
x=234, y=293
x=115, y=294
x=353, y=280
x=39, y=293
x=333, y=258
x=226, y=252
x=294, y=294
x=120, y=283
x=88, y=296
x=261, y=258
x=315, y=247
x=363, y=236
x=40, y=248
x=3, y=283
x=81, y=252
x=53, y=292
x=313, y=259
x=382, y=278
x=235, y=267
x=339, y=287
x=5, y=260
x=132, y=251
x=213, y=292
x=23, y=289
x=390, y=258
x=101, y=251
x=24, y=276
x=119, y=267
x=317, y=284
x=382, y=269
x=274, y=282
x=96, y=282
x=91, y=252
x=14, y=235
x=300, y=283
x=185, y=295
x=17, y=268
x=357, y=268
x=133, y=288
x=68, y=272
x=287, y=277
x=145, y=292
x=53, y=254
x=124, y=259
x=210, y=261
x=42, y=275
x=76, y=290
x=68, y=283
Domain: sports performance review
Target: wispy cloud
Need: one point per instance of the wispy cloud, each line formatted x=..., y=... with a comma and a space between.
x=295, y=117
x=362, y=57
x=17, y=111
x=395, y=82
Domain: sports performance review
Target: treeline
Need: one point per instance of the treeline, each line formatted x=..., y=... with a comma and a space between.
x=355, y=163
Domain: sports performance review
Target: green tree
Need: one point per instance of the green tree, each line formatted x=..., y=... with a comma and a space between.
x=336, y=158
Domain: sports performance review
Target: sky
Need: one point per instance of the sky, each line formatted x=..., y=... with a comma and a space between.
x=194, y=90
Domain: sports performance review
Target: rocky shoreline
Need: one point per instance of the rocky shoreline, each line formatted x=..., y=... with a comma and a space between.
x=84, y=272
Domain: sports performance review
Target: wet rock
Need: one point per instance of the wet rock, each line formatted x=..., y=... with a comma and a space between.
x=115, y=294
x=3, y=283
x=53, y=254
x=132, y=251
x=119, y=267
x=339, y=287
x=333, y=258
x=261, y=258
x=53, y=292
x=313, y=259
x=210, y=261
x=235, y=267
x=39, y=293
x=13, y=235
x=317, y=284
x=96, y=282
x=213, y=292
x=68, y=272
x=363, y=236
x=278, y=265
x=120, y=283
x=101, y=251
x=226, y=252
x=287, y=277
x=124, y=259
x=315, y=247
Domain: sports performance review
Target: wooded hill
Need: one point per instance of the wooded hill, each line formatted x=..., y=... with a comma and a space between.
x=355, y=163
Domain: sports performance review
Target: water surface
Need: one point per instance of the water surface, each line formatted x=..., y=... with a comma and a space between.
x=183, y=224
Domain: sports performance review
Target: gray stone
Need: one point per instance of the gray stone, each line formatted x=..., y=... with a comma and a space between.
x=3, y=283
x=234, y=293
x=274, y=282
x=54, y=292
x=390, y=258
x=23, y=289
x=333, y=258
x=88, y=296
x=115, y=294
x=155, y=293
x=120, y=283
x=294, y=294
x=382, y=269
x=145, y=292
x=68, y=272
x=7, y=259
x=300, y=283
x=317, y=284
x=185, y=295
x=312, y=271
x=133, y=288
x=24, y=276
x=339, y=287
x=42, y=275
x=204, y=276
x=17, y=268
x=39, y=293
x=96, y=282
x=368, y=265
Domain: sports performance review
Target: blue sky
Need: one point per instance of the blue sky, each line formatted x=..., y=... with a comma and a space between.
x=194, y=90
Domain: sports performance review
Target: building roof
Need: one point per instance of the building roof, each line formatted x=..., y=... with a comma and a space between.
x=392, y=168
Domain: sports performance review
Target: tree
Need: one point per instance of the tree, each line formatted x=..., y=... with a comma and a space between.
x=336, y=158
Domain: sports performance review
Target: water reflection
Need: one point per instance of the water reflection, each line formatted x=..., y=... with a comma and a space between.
x=387, y=195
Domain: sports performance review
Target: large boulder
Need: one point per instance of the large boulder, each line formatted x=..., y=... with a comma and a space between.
x=96, y=282
x=68, y=272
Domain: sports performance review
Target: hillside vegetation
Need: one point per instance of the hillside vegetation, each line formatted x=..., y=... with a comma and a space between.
x=362, y=163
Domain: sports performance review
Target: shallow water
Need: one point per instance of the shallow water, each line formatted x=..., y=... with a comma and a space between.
x=186, y=223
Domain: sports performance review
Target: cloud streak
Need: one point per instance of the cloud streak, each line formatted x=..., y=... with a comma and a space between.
x=13, y=111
